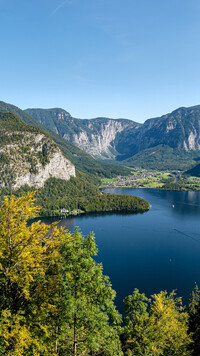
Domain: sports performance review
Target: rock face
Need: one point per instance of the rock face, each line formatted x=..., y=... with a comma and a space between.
x=120, y=139
x=100, y=137
x=28, y=156
x=180, y=129
x=57, y=167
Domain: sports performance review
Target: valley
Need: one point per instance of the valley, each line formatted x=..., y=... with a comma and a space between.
x=100, y=178
x=135, y=228
x=47, y=155
x=31, y=160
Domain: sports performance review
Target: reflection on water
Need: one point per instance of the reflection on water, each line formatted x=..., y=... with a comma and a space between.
x=68, y=223
x=157, y=250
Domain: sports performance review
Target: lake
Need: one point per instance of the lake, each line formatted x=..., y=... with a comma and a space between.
x=154, y=251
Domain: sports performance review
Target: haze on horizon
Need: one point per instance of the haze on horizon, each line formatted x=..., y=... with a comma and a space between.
x=120, y=59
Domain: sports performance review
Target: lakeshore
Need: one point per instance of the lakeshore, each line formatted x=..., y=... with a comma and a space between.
x=143, y=178
x=157, y=250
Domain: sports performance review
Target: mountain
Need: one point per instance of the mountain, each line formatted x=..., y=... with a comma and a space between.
x=171, y=141
x=82, y=161
x=30, y=158
x=179, y=129
x=163, y=157
x=100, y=137
x=28, y=155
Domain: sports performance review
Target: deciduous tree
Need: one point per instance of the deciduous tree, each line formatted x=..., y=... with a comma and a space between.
x=155, y=327
x=29, y=262
x=91, y=319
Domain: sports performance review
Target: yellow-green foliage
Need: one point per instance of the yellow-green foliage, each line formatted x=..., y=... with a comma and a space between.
x=155, y=327
x=169, y=321
x=51, y=289
x=29, y=261
x=54, y=298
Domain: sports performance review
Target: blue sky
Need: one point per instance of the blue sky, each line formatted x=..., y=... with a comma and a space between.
x=132, y=59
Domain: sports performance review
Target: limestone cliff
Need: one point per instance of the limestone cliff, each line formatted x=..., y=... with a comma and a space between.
x=28, y=156
x=100, y=137
x=109, y=138
x=171, y=141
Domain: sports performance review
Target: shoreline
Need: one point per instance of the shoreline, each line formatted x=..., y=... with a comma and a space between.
x=183, y=189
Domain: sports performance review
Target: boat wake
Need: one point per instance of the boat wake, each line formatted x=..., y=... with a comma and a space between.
x=186, y=235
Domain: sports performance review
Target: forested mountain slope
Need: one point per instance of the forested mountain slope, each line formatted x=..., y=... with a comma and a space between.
x=30, y=159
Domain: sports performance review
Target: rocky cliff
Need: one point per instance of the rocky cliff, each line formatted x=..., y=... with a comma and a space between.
x=121, y=139
x=179, y=129
x=100, y=137
x=28, y=156
x=80, y=159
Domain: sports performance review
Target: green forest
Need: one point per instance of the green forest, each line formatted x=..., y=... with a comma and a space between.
x=55, y=299
x=78, y=194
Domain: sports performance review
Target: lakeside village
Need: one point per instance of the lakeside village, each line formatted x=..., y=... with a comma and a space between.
x=143, y=178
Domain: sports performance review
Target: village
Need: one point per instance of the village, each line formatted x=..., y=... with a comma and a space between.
x=140, y=178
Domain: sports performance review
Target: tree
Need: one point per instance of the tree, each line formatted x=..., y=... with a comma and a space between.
x=194, y=320
x=29, y=261
x=54, y=298
x=91, y=321
x=170, y=324
x=155, y=327
x=137, y=338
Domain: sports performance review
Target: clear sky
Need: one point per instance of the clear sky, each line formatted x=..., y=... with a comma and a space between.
x=132, y=59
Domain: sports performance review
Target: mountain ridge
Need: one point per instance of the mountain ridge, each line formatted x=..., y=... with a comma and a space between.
x=82, y=161
x=95, y=136
x=120, y=140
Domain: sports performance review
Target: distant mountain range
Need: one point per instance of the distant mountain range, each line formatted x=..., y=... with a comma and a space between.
x=171, y=141
x=34, y=157
x=82, y=161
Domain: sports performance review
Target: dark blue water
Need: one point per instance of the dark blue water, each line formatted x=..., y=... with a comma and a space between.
x=157, y=250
